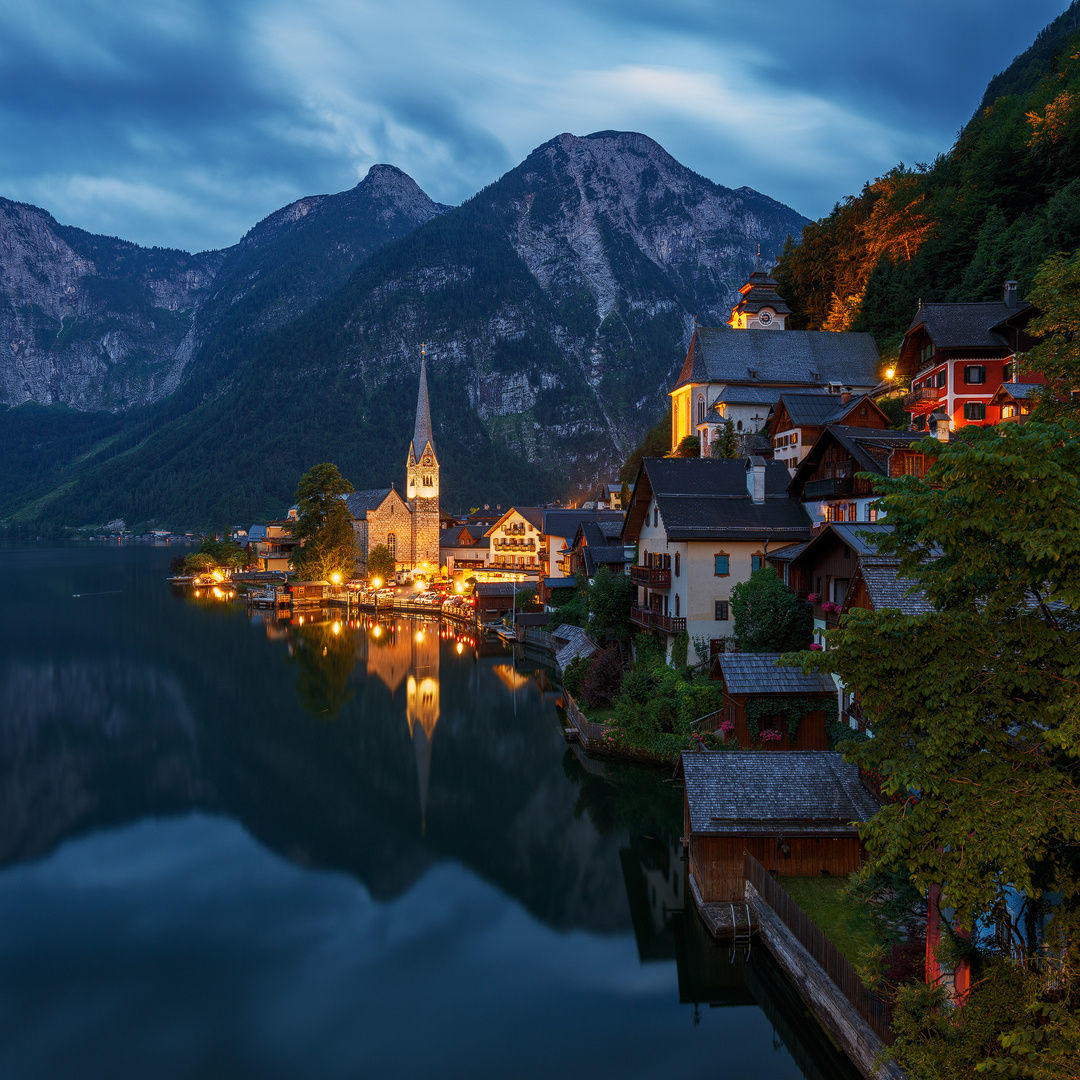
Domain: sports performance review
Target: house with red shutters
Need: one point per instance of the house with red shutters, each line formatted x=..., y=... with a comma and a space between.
x=958, y=356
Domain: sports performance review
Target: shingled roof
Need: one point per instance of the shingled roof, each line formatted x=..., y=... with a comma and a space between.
x=761, y=673
x=887, y=588
x=422, y=430
x=360, y=502
x=787, y=357
x=797, y=792
x=966, y=326
x=707, y=499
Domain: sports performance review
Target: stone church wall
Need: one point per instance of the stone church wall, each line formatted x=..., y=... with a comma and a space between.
x=392, y=518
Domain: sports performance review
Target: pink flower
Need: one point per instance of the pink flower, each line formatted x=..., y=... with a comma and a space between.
x=771, y=735
x=812, y=597
x=727, y=727
x=816, y=647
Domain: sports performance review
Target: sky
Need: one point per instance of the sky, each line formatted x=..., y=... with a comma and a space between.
x=183, y=122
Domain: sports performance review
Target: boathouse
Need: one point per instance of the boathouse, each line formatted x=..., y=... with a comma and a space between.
x=796, y=813
x=771, y=706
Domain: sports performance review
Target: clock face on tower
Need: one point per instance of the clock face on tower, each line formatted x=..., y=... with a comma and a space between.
x=764, y=318
x=427, y=459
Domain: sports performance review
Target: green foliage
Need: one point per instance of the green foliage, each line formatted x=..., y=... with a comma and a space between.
x=574, y=674
x=656, y=705
x=680, y=649
x=842, y=916
x=726, y=444
x=198, y=562
x=1056, y=293
x=609, y=600
x=381, y=564
x=1004, y=199
x=525, y=599
x=688, y=447
x=227, y=554
x=975, y=710
x=768, y=617
x=624, y=495
x=657, y=443
x=603, y=678
x=773, y=710
x=323, y=526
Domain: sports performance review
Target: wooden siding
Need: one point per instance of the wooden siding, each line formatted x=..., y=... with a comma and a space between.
x=810, y=736
x=716, y=862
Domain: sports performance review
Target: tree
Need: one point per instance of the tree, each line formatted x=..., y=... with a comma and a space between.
x=1056, y=294
x=198, y=562
x=381, y=564
x=975, y=711
x=624, y=495
x=603, y=678
x=323, y=526
x=688, y=447
x=768, y=616
x=726, y=445
x=657, y=443
x=609, y=601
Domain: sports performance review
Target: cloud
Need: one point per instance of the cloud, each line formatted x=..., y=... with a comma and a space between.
x=185, y=123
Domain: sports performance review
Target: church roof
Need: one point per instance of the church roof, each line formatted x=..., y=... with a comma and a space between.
x=360, y=502
x=422, y=431
x=786, y=357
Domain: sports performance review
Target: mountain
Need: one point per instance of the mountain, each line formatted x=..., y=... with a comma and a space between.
x=556, y=304
x=1002, y=200
x=96, y=323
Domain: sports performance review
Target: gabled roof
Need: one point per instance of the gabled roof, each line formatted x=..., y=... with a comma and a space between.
x=817, y=410
x=796, y=792
x=565, y=523
x=759, y=673
x=966, y=325
x=256, y=532
x=360, y=502
x=785, y=357
x=870, y=449
x=534, y=515
x=887, y=588
x=707, y=499
x=1017, y=391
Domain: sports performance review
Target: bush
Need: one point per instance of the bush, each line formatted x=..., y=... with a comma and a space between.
x=603, y=678
x=574, y=674
x=768, y=616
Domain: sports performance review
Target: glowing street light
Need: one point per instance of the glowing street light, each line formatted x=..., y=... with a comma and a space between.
x=336, y=628
x=890, y=373
x=335, y=577
x=376, y=582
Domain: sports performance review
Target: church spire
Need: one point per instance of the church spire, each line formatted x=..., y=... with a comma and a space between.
x=422, y=431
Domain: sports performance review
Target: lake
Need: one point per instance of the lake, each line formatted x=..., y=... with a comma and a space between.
x=234, y=847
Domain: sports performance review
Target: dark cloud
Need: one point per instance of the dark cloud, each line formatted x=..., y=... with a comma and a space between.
x=185, y=123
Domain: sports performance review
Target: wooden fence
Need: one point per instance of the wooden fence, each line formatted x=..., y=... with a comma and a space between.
x=591, y=733
x=870, y=1006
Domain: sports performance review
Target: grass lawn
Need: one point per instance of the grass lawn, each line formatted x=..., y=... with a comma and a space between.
x=844, y=920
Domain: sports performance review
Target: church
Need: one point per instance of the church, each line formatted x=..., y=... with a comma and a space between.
x=408, y=525
x=738, y=371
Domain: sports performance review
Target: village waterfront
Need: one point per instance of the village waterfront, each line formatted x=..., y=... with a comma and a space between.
x=236, y=847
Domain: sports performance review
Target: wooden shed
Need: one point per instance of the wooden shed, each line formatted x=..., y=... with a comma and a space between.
x=795, y=813
x=762, y=695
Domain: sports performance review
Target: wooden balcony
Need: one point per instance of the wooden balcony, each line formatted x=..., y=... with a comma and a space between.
x=923, y=398
x=652, y=577
x=654, y=620
x=831, y=487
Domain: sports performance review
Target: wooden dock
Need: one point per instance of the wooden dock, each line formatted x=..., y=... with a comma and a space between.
x=735, y=922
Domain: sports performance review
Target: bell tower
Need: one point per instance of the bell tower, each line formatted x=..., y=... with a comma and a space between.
x=422, y=481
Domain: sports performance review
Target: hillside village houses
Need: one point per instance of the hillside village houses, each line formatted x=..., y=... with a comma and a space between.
x=738, y=372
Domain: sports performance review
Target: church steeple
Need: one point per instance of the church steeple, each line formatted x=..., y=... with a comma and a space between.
x=422, y=481
x=422, y=436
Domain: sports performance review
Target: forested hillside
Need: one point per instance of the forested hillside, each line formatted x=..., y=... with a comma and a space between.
x=1002, y=200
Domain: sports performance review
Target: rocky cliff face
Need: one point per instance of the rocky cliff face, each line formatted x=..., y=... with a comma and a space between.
x=95, y=323
x=556, y=304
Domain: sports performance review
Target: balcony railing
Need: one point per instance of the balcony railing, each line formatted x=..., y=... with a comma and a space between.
x=654, y=577
x=830, y=487
x=921, y=395
x=654, y=620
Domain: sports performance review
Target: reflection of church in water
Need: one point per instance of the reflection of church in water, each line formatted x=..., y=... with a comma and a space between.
x=408, y=653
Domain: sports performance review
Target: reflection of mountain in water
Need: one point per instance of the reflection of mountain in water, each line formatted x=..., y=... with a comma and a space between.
x=162, y=707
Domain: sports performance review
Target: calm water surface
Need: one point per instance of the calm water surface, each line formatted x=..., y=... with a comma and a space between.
x=232, y=848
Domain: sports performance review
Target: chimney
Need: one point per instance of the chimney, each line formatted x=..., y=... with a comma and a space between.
x=941, y=427
x=845, y=397
x=1010, y=294
x=755, y=478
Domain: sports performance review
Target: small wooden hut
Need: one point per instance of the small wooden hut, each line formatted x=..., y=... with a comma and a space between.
x=795, y=813
x=763, y=696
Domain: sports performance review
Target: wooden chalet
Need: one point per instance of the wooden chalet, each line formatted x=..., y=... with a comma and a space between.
x=759, y=681
x=796, y=813
x=798, y=419
x=1012, y=401
x=828, y=480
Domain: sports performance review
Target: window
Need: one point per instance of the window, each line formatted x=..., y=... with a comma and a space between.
x=676, y=605
x=871, y=513
x=676, y=564
x=942, y=376
x=853, y=512
x=738, y=426
x=700, y=410
x=391, y=543
x=756, y=562
x=974, y=410
x=720, y=564
x=655, y=517
x=720, y=611
x=975, y=373
x=1007, y=371
x=1008, y=412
